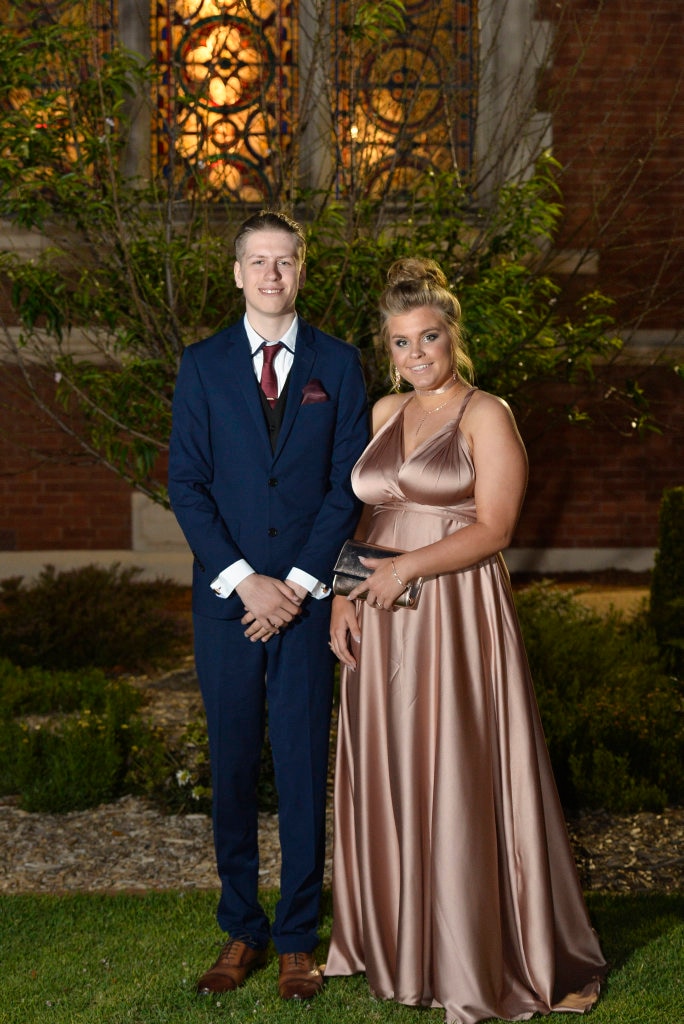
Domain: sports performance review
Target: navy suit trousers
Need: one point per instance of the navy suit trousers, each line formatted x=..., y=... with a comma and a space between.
x=289, y=679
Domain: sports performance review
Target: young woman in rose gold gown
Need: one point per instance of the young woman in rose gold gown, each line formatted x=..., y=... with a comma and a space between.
x=453, y=880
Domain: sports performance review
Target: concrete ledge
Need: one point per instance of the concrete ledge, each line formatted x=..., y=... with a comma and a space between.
x=561, y=560
x=177, y=565
x=173, y=565
x=154, y=528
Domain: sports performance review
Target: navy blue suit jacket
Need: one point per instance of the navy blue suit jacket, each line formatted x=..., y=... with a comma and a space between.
x=236, y=498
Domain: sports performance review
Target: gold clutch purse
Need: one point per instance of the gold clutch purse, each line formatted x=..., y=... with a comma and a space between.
x=350, y=571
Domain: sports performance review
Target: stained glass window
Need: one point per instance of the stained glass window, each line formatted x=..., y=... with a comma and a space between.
x=242, y=81
x=408, y=105
x=99, y=13
x=47, y=101
x=227, y=92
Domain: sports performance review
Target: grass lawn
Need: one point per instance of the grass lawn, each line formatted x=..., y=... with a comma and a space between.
x=134, y=959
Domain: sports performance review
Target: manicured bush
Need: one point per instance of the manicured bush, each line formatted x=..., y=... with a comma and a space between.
x=60, y=754
x=93, y=616
x=667, y=581
x=612, y=715
x=611, y=710
x=38, y=691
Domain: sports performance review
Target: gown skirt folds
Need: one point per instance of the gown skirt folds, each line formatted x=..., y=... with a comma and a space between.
x=454, y=884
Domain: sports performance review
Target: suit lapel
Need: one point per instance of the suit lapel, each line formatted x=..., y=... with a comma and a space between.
x=241, y=383
x=304, y=358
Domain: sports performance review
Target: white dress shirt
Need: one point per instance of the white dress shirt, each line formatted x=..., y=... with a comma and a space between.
x=230, y=577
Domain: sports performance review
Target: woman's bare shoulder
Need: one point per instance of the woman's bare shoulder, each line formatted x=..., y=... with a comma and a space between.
x=485, y=405
x=385, y=408
x=487, y=412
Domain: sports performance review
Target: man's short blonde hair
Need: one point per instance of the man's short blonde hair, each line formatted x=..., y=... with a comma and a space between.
x=269, y=220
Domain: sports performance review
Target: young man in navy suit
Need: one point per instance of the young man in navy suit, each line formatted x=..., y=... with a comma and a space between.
x=269, y=416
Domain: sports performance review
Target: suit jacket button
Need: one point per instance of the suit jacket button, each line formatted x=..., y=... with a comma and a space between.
x=272, y=532
x=273, y=482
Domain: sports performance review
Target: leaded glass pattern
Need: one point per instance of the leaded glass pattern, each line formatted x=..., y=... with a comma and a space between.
x=226, y=95
x=227, y=114
x=408, y=105
x=52, y=11
x=49, y=100
x=101, y=14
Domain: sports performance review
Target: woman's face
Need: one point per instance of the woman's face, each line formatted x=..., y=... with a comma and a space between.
x=420, y=347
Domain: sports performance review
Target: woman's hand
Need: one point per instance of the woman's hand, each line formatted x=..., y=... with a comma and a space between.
x=344, y=627
x=383, y=587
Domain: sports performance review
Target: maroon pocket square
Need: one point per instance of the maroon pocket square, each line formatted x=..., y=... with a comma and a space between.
x=314, y=392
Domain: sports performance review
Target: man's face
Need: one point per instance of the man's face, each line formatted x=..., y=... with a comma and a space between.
x=270, y=272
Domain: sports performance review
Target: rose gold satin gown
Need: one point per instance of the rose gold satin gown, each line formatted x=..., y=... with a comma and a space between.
x=454, y=883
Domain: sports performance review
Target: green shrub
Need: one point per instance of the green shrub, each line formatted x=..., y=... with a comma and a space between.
x=667, y=581
x=37, y=691
x=181, y=781
x=97, y=751
x=612, y=715
x=187, y=786
x=92, y=616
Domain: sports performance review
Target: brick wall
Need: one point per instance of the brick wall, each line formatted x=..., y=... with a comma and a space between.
x=52, y=496
x=602, y=486
x=618, y=129
x=588, y=487
x=615, y=90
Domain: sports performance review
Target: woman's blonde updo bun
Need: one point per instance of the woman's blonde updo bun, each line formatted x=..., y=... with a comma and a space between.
x=414, y=282
x=413, y=270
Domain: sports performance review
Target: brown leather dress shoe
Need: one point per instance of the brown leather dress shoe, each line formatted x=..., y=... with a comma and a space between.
x=300, y=977
x=235, y=963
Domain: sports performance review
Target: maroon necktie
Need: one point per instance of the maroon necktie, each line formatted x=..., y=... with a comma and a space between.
x=269, y=381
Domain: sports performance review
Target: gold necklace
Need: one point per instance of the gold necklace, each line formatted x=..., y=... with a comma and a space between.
x=431, y=412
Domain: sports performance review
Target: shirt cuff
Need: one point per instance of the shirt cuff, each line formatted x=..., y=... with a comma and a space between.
x=317, y=589
x=228, y=579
